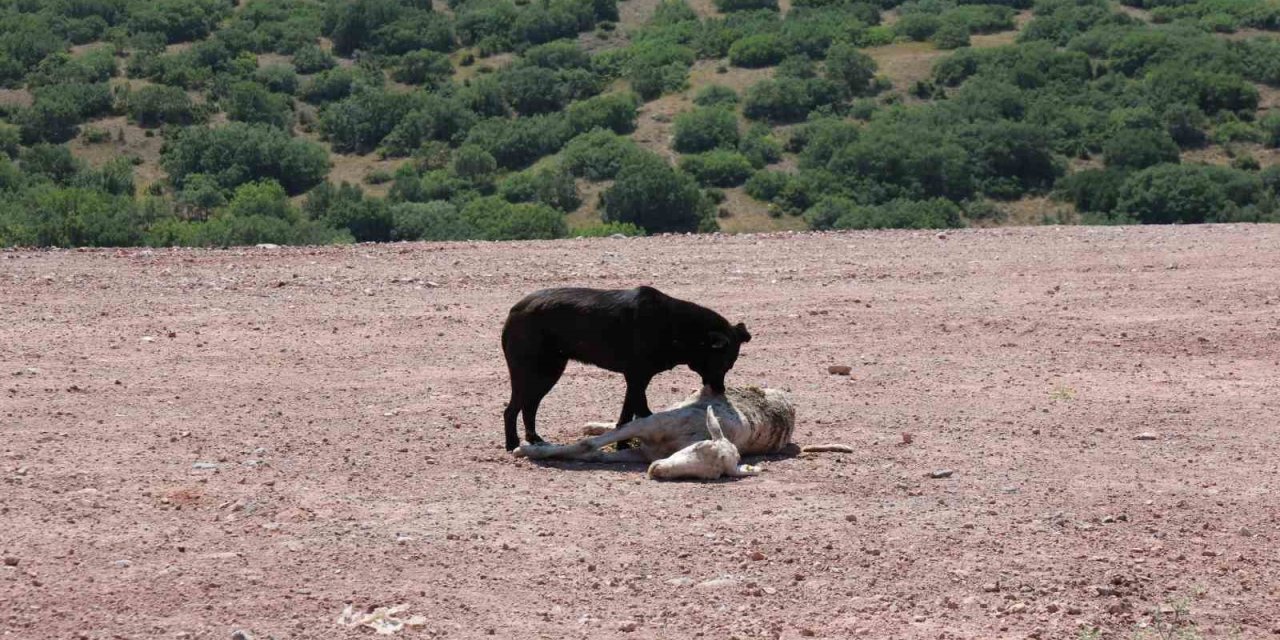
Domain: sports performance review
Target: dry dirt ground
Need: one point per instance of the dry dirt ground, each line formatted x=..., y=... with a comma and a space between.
x=200, y=442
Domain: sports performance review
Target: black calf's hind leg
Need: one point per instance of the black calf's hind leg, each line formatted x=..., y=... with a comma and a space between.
x=539, y=384
x=509, y=421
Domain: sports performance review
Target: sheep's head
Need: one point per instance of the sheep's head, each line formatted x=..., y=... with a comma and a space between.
x=705, y=460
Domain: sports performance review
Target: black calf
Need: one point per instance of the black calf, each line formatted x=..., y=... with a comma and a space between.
x=637, y=332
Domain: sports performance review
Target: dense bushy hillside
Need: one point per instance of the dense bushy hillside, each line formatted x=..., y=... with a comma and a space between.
x=213, y=122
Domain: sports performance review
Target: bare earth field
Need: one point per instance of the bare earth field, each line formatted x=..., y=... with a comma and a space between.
x=200, y=442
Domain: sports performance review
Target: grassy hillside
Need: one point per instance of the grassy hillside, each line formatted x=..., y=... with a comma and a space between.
x=218, y=122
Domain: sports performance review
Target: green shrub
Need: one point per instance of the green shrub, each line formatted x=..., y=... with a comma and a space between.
x=277, y=78
x=238, y=153
x=951, y=35
x=553, y=186
x=1270, y=125
x=727, y=6
x=781, y=101
x=253, y=103
x=704, y=129
x=1179, y=194
x=918, y=26
x=717, y=168
x=850, y=68
x=650, y=194
x=761, y=50
x=614, y=111
x=312, y=59
x=598, y=155
x=497, y=219
x=768, y=185
x=715, y=95
x=1139, y=149
x=473, y=164
x=424, y=67
x=436, y=221
x=155, y=105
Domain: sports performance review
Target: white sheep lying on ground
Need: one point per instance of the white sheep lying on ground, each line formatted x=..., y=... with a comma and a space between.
x=702, y=437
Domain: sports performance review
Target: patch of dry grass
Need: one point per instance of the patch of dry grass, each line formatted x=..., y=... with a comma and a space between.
x=748, y=215
x=135, y=144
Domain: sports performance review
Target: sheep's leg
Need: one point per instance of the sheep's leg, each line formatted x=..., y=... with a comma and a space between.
x=588, y=449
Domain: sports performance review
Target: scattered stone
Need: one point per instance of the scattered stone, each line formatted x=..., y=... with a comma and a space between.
x=1073, y=610
x=756, y=556
x=941, y=473
x=850, y=518
x=1145, y=435
x=241, y=635
x=122, y=564
x=204, y=466
x=942, y=235
x=681, y=582
x=627, y=626
x=1103, y=590
x=840, y=370
x=807, y=633
x=10, y=561
x=826, y=448
x=368, y=292
x=717, y=583
x=266, y=245
x=148, y=339
x=1244, y=531
x=1017, y=608
x=907, y=438
x=1052, y=607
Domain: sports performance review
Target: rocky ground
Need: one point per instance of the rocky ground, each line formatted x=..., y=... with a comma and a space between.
x=199, y=443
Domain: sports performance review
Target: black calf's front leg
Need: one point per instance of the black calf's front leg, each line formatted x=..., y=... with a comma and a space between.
x=636, y=404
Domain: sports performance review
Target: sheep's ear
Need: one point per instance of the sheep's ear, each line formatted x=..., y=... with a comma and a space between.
x=740, y=332
x=713, y=425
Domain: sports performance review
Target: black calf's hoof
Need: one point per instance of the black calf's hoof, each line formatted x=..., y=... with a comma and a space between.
x=533, y=438
x=511, y=446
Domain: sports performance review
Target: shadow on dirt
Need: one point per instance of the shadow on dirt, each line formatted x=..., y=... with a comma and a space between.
x=792, y=450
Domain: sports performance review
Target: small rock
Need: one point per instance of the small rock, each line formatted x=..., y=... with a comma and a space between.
x=807, y=633
x=717, y=583
x=907, y=438
x=368, y=292
x=241, y=635
x=991, y=587
x=680, y=582
x=1052, y=607
x=148, y=339
x=1073, y=610
x=1145, y=435
x=1103, y=590
x=627, y=626
x=826, y=448
x=756, y=556
x=941, y=473
x=122, y=564
x=840, y=370
x=10, y=561
x=1018, y=607
x=266, y=245
x=850, y=518
x=204, y=466
x=1244, y=531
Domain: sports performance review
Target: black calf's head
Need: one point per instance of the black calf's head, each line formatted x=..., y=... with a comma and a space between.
x=717, y=354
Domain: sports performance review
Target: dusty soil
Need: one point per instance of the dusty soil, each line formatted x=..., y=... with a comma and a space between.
x=199, y=442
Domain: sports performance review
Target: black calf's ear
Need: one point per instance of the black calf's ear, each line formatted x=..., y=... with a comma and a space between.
x=740, y=331
x=717, y=340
